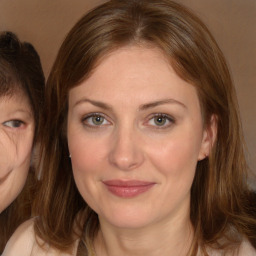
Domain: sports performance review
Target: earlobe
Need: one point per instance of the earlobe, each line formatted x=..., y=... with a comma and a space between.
x=209, y=138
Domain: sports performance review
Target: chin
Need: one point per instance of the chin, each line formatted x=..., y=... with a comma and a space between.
x=131, y=219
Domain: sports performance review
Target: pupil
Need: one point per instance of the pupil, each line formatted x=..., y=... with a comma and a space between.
x=97, y=120
x=160, y=120
x=16, y=123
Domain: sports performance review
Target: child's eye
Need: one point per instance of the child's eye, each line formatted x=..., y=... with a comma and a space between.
x=161, y=121
x=14, y=123
x=95, y=120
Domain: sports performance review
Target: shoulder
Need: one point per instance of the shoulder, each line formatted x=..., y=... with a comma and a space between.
x=21, y=242
x=246, y=249
x=24, y=243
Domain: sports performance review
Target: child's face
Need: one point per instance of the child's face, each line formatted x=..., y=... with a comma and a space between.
x=16, y=140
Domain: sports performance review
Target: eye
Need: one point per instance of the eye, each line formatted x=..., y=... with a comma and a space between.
x=161, y=121
x=94, y=120
x=13, y=123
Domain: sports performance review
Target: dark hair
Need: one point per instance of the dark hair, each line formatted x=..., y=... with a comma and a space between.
x=219, y=195
x=20, y=70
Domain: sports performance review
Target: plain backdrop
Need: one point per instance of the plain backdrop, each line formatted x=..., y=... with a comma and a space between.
x=45, y=23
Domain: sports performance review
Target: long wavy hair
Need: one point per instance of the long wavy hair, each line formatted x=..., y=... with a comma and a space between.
x=220, y=198
x=20, y=70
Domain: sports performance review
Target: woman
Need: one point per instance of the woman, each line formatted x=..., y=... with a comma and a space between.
x=21, y=98
x=142, y=151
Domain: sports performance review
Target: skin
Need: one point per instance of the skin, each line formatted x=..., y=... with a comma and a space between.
x=128, y=91
x=16, y=140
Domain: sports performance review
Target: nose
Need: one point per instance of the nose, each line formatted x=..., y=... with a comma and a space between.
x=126, y=152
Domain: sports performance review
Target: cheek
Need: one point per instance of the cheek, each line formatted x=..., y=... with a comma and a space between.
x=22, y=162
x=12, y=187
x=176, y=156
x=87, y=156
x=7, y=146
x=85, y=153
x=17, y=164
x=15, y=151
x=24, y=151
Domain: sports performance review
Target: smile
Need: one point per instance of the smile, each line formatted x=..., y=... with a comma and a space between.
x=128, y=189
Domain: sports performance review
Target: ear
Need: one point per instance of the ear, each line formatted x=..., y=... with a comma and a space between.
x=209, y=137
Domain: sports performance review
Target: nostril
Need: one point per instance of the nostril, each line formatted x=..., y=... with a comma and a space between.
x=123, y=162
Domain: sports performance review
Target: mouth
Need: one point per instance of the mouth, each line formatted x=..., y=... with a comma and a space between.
x=128, y=189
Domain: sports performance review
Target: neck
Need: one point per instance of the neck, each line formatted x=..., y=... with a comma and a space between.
x=168, y=237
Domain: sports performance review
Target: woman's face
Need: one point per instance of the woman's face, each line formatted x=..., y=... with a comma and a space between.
x=16, y=139
x=135, y=135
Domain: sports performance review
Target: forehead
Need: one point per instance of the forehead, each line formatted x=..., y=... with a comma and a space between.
x=133, y=71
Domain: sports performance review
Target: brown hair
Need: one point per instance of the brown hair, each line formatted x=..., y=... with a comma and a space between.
x=20, y=69
x=219, y=195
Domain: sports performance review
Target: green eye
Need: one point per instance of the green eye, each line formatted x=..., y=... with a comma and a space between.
x=97, y=120
x=160, y=120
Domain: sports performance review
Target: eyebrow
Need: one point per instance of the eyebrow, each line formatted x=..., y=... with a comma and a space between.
x=95, y=103
x=161, y=102
x=26, y=112
x=141, y=107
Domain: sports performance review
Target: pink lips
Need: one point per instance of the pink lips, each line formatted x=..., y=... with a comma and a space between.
x=129, y=188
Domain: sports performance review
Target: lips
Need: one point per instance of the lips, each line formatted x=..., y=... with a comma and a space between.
x=128, y=189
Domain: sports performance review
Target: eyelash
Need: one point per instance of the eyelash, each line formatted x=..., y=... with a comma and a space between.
x=12, y=123
x=168, y=118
